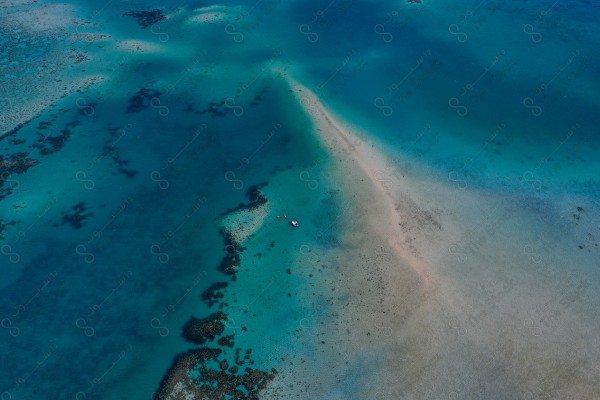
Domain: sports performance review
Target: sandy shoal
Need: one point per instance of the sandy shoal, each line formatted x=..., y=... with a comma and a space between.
x=410, y=317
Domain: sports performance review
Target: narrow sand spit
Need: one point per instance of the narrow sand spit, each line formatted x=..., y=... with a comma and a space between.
x=387, y=298
x=386, y=218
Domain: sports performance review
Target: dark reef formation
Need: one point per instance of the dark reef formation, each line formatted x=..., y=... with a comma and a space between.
x=256, y=101
x=110, y=149
x=214, y=293
x=226, y=340
x=222, y=108
x=259, y=98
x=233, y=255
x=43, y=125
x=4, y=225
x=255, y=199
x=219, y=384
x=14, y=130
x=211, y=383
x=233, y=250
x=216, y=109
x=205, y=372
x=200, y=331
x=75, y=216
x=14, y=141
x=178, y=372
x=142, y=99
x=115, y=155
x=215, y=373
x=52, y=144
x=146, y=18
x=16, y=163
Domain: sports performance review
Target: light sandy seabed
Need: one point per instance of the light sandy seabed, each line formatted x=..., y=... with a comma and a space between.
x=134, y=46
x=434, y=295
x=45, y=82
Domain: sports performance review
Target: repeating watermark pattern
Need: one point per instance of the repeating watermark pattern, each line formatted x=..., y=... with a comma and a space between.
x=460, y=176
x=457, y=103
x=337, y=69
x=99, y=379
x=157, y=322
x=311, y=36
x=158, y=250
x=159, y=175
x=532, y=30
x=235, y=35
x=83, y=249
x=42, y=360
x=532, y=102
x=83, y=323
x=385, y=104
x=457, y=29
x=85, y=175
x=10, y=322
x=156, y=29
x=379, y=30
x=234, y=176
x=308, y=324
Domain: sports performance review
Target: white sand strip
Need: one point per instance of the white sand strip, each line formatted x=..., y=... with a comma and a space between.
x=371, y=164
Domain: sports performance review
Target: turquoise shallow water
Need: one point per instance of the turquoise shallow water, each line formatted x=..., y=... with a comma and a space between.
x=111, y=216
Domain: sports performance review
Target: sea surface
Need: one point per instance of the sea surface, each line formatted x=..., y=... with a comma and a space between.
x=138, y=134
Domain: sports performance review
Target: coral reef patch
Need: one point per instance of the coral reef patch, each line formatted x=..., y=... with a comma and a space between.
x=146, y=18
x=191, y=377
x=112, y=151
x=13, y=131
x=233, y=255
x=214, y=293
x=16, y=163
x=4, y=225
x=200, y=331
x=215, y=373
x=216, y=109
x=52, y=144
x=142, y=99
x=75, y=216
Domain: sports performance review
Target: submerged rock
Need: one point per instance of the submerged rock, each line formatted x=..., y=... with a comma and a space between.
x=226, y=340
x=142, y=99
x=146, y=18
x=76, y=216
x=232, y=259
x=214, y=293
x=202, y=330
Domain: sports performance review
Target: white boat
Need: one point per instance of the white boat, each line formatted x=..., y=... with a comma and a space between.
x=295, y=224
